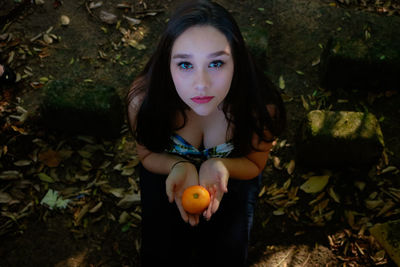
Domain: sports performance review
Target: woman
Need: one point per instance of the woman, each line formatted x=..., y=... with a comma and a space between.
x=202, y=113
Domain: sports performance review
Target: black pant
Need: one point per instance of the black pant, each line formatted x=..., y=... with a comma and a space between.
x=169, y=241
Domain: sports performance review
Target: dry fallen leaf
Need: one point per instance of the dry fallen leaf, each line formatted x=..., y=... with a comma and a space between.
x=305, y=103
x=128, y=200
x=47, y=39
x=278, y=212
x=80, y=213
x=5, y=198
x=10, y=175
x=108, y=18
x=118, y=192
x=277, y=162
x=86, y=165
x=50, y=158
x=315, y=184
x=333, y=195
x=389, y=169
x=136, y=45
x=388, y=206
x=22, y=163
x=45, y=178
x=127, y=171
x=132, y=21
x=124, y=217
x=281, y=82
x=94, y=5
x=64, y=20
x=96, y=208
x=290, y=167
x=262, y=192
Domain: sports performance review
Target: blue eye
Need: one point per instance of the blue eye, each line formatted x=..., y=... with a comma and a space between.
x=185, y=65
x=216, y=64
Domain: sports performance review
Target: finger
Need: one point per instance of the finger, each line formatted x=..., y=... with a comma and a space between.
x=223, y=187
x=193, y=220
x=183, y=213
x=218, y=199
x=223, y=182
x=169, y=188
x=208, y=212
x=215, y=206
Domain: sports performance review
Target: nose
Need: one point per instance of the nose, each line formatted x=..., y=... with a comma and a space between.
x=202, y=80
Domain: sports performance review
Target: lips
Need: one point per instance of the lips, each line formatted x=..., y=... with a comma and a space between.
x=202, y=99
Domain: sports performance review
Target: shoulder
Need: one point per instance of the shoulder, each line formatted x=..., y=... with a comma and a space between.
x=271, y=108
x=134, y=101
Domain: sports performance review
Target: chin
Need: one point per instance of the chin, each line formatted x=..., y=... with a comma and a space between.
x=203, y=112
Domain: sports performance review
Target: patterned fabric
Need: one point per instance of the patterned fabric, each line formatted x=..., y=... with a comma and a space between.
x=181, y=147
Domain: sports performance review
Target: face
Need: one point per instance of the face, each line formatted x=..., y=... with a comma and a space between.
x=202, y=68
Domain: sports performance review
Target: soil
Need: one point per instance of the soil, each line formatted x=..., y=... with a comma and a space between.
x=304, y=232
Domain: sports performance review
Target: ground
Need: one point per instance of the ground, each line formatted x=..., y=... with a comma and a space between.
x=291, y=228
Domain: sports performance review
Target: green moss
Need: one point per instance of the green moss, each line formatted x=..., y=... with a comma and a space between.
x=82, y=107
x=343, y=125
x=351, y=48
x=337, y=138
x=393, y=234
x=67, y=94
x=374, y=50
x=257, y=40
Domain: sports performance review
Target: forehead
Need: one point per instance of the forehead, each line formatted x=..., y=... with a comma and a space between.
x=201, y=39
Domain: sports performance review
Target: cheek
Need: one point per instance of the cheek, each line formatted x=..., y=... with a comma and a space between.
x=223, y=81
x=178, y=81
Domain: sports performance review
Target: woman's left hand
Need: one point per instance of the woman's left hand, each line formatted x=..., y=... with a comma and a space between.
x=213, y=175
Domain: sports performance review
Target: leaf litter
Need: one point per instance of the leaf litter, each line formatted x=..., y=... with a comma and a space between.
x=328, y=200
x=86, y=182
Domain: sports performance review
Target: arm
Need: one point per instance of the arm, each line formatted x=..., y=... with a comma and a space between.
x=159, y=163
x=181, y=173
x=215, y=172
x=249, y=166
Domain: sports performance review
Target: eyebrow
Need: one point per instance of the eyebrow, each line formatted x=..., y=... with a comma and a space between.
x=212, y=55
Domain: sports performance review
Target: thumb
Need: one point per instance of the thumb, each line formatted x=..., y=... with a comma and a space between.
x=169, y=188
x=223, y=186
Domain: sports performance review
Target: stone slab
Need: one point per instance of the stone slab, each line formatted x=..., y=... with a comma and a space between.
x=339, y=138
x=388, y=235
x=361, y=62
x=85, y=108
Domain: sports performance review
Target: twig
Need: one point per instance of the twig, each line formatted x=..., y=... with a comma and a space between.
x=149, y=11
x=284, y=258
x=389, y=194
x=8, y=224
x=90, y=12
x=308, y=257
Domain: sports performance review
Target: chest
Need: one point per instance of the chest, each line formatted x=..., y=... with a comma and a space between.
x=207, y=131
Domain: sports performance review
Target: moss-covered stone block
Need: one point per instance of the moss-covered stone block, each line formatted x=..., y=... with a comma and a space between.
x=339, y=138
x=388, y=235
x=256, y=39
x=371, y=64
x=85, y=108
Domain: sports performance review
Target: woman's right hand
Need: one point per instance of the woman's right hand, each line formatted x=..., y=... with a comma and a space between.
x=182, y=175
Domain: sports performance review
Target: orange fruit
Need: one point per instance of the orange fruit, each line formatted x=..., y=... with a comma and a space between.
x=195, y=199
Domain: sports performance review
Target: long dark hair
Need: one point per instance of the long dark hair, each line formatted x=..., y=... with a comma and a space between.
x=245, y=106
